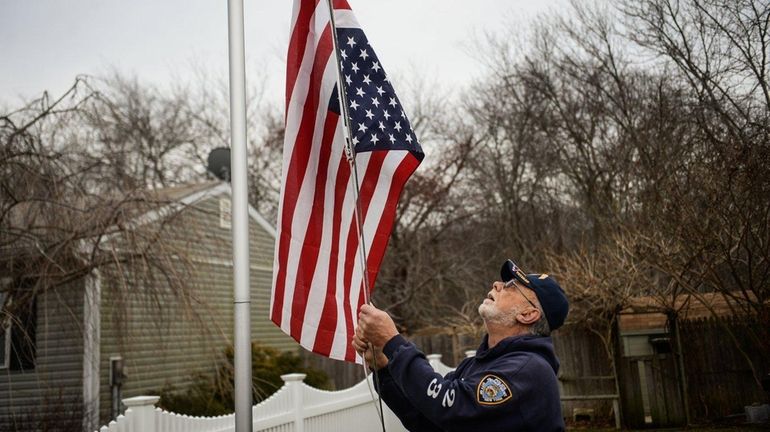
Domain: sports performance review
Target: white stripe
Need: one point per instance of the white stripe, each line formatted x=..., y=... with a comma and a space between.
x=295, y=14
x=317, y=295
x=307, y=192
x=344, y=18
x=339, y=345
x=372, y=221
x=318, y=23
x=293, y=118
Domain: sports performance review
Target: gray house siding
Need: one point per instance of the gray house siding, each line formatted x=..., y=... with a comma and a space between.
x=53, y=390
x=165, y=343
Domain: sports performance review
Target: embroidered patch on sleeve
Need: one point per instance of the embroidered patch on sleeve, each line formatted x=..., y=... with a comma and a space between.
x=492, y=390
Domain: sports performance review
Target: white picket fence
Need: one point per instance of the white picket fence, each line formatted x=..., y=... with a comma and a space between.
x=295, y=407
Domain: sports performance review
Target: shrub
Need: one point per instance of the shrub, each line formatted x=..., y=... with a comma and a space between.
x=211, y=396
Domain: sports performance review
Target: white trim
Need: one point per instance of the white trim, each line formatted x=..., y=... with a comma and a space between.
x=193, y=198
x=226, y=263
x=225, y=213
x=154, y=215
x=261, y=221
x=92, y=294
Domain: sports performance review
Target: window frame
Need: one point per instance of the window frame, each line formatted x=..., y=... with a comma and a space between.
x=5, y=331
x=5, y=360
x=20, y=336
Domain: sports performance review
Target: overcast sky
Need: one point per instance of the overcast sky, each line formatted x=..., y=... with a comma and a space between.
x=46, y=43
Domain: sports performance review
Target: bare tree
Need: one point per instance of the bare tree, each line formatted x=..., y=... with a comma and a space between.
x=54, y=224
x=710, y=232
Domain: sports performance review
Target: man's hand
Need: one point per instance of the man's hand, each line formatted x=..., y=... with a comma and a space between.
x=376, y=326
x=365, y=350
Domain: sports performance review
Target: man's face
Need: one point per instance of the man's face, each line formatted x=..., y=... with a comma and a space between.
x=502, y=305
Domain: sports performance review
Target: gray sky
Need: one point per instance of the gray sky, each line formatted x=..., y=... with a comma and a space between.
x=46, y=43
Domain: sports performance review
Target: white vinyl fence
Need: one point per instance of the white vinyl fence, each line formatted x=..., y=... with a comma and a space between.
x=295, y=407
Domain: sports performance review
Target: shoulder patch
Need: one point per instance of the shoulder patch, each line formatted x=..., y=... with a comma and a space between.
x=492, y=390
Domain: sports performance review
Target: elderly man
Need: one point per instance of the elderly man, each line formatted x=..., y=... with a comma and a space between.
x=510, y=385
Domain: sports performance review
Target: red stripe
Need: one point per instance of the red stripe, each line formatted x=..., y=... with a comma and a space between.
x=327, y=326
x=297, y=45
x=368, y=185
x=341, y=4
x=381, y=237
x=384, y=228
x=298, y=166
x=311, y=245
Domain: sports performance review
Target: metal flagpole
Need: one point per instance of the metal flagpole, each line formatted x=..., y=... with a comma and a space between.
x=351, y=156
x=240, y=219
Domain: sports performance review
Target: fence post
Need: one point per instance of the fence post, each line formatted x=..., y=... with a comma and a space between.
x=142, y=412
x=434, y=359
x=294, y=383
x=616, y=411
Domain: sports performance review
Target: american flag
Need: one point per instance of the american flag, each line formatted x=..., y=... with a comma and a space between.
x=317, y=275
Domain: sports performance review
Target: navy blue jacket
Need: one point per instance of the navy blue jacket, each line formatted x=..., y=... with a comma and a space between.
x=511, y=387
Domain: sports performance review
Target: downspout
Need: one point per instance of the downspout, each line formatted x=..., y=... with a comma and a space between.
x=616, y=344
x=91, y=349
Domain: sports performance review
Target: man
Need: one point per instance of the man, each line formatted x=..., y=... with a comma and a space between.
x=510, y=385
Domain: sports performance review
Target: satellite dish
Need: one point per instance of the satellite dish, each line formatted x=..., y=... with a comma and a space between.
x=219, y=163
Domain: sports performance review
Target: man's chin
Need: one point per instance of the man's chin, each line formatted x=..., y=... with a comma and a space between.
x=486, y=311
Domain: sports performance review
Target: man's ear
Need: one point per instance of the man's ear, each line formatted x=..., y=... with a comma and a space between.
x=529, y=316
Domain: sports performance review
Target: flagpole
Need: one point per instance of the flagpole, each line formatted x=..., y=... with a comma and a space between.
x=240, y=220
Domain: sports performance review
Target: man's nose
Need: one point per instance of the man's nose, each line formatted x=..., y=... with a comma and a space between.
x=498, y=286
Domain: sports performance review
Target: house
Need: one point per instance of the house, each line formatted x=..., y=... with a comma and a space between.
x=81, y=348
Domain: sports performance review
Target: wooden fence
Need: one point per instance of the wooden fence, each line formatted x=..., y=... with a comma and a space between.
x=719, y=380
x=586, y=379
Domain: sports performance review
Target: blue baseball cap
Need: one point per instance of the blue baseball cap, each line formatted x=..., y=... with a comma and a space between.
x=549, y=293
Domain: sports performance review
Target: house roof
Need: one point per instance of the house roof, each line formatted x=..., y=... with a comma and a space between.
x=176, y=193
x=180, y=196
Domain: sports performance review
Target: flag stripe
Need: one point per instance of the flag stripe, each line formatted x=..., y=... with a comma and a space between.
x=328, y=318
x=297, y=45
x=370, y=178
x=381, y=188
x=312, y=241
x=318, y=291
x=382, y=234
x=298, y=165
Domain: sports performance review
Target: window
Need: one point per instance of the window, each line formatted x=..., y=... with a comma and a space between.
x=18, y=345
x=225, y=213
x=23, y=337
x=5, y=334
